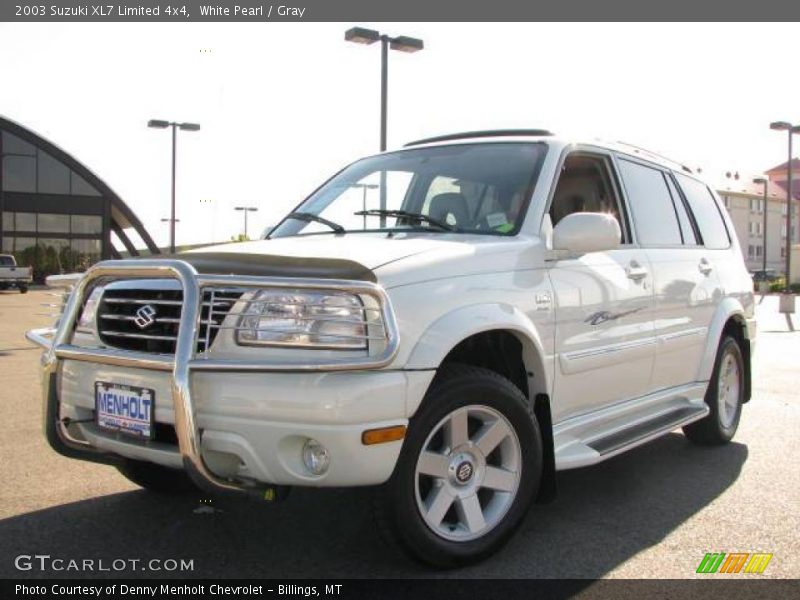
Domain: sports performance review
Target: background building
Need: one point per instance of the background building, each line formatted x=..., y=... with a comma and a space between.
x=55, y=214
x=745, y=203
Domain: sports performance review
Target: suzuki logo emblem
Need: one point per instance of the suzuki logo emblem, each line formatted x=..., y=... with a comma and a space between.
x=145, y=316
x=464, y=472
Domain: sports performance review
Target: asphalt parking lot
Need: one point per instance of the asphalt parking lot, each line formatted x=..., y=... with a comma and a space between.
x=653, y=512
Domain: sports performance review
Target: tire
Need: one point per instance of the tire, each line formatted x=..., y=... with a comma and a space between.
x=724, y=397
x=491, y=403
x=23, y=289
x=156, y=478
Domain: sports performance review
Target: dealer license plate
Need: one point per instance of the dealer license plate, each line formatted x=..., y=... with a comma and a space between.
x=125, y=408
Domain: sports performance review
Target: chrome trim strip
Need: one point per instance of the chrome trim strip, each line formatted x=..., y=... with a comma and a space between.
x=597, y=358
x=668, y=337
x=142, y=336
x=114, y=317
x=611, y=349
x=141, y=301
x=117, y=358
x=184, y=360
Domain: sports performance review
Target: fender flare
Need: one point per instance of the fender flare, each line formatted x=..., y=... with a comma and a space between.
x=729, y=307
x=450, y=329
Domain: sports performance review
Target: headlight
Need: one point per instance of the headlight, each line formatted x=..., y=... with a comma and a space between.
x=86, y=322
x=302, y=318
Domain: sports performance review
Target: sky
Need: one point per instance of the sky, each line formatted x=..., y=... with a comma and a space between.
x=282, y=106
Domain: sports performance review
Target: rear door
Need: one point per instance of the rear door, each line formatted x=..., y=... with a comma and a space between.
x=603, y=300
x=684, y=279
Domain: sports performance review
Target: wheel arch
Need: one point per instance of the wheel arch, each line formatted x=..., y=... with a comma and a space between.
x=730, y=319
x=481, y=335
x=458, y=327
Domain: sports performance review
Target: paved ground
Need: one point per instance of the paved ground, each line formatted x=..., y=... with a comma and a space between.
x=653, y=512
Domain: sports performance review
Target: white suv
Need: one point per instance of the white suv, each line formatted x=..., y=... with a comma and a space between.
x=452, y=322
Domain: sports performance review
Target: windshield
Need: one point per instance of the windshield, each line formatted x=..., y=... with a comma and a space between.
x=468, y=188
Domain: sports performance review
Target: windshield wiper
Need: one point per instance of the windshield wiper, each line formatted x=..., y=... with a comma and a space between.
x=309, y=217
x=411, y=216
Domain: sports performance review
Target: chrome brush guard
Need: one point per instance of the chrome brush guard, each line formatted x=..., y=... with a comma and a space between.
x=185, y=360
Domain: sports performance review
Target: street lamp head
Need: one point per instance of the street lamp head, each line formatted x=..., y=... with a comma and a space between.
x=780, y=125
x=247, y=208
x=361, y=35
x=406, y=44
x=158, y=124
x=760, y=181
x=189, y=126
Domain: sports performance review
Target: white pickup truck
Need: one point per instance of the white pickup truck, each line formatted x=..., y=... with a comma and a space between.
x=452, y=322
x=12, y=276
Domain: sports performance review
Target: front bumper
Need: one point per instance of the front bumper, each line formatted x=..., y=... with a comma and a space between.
x=238, y=425
x=253, y=425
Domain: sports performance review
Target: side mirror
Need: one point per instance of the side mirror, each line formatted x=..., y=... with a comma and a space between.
x=583, y=232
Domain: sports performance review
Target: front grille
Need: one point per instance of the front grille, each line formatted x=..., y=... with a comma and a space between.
x=147, y=320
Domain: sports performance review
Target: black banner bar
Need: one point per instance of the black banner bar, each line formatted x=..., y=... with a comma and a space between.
x=405, y=10
x=711, y=588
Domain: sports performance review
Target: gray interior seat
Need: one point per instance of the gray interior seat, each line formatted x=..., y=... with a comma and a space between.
x=451, y=208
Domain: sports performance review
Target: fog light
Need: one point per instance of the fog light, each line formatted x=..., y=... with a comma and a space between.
x=316, y=457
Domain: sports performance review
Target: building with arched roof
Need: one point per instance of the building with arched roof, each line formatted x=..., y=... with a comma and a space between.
x=55, y=214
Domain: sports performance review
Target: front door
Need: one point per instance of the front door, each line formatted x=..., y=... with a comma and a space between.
x=604, y=300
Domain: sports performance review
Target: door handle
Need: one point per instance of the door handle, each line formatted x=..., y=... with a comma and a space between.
x=705, y=267
x=635, y=271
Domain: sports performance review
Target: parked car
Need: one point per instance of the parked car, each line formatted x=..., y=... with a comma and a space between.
x=452, y=322
x=768, y=275
x=12, y=276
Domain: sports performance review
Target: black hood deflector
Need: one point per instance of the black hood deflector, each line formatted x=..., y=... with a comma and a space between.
x=268, y=265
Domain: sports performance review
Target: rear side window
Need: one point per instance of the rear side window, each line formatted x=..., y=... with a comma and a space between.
x=687, y=228
x=706, y=212
x=650, y=202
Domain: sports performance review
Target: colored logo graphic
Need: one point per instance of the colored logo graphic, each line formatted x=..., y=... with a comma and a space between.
x=734, y=562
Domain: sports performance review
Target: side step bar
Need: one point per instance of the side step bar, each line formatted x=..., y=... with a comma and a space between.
x=647, y=430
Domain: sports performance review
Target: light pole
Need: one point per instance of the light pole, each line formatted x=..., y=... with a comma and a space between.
x=364, y=187
x=402, y=43
x=168, y=220
x=159, y=124
x=763, y=182
x=790, y=129
x=246, y=209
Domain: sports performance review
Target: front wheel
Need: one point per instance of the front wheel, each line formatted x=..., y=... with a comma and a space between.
x=724, y=398
x=468, y=471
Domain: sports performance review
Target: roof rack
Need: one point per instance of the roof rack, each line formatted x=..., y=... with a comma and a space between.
x=480, y=134
x=640, y=150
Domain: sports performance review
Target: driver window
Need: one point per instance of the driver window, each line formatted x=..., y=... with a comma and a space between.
x=585, y=185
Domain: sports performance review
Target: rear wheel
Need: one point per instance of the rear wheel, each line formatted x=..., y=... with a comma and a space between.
x=23, y=289
x=724, y=398
x=469, y=468
x=157, y=478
